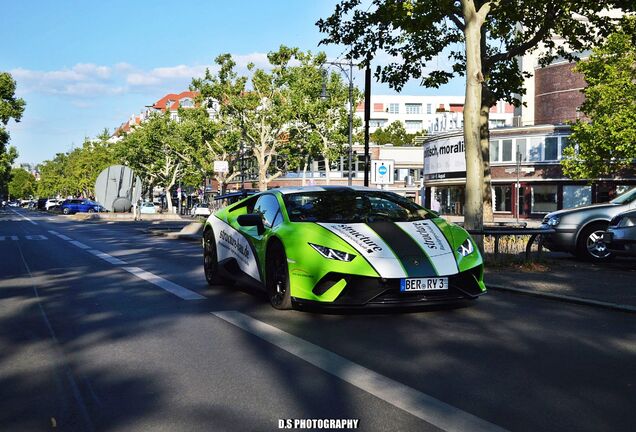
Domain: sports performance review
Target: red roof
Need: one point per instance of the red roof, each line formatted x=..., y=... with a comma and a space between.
x=174, y=99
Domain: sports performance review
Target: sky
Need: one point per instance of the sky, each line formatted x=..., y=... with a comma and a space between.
x=82, y=66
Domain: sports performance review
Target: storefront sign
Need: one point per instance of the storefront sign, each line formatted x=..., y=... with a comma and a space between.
x=445, y=158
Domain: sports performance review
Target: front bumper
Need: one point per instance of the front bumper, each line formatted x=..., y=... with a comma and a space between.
x=562, y=240
x=619, y=242
x=371, y=292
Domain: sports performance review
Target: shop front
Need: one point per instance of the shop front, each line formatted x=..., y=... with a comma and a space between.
x=526, y=175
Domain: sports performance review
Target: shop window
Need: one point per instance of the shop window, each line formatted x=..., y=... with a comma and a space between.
x=494, y=151
x=551, y=148
x=544, y=198
x=506, y=150
x=521, y=150
x=576, y=196
x=502, y=198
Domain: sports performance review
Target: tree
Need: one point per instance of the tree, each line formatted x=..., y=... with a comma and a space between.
x=319, y=126
x=158, y=153
x=483, y=40
x=22, y=184
x=212, y=139
x=395, y=134
x=606, y=141
x=54, y=179
x=262, y=113
x=10, y=108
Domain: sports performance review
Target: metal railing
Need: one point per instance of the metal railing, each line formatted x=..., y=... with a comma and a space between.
x=502, y=229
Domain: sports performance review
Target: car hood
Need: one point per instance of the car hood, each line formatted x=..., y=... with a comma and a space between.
x=399, y=249
x=584, y=209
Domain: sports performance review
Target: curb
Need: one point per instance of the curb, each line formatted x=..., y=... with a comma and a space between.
x=567, y=299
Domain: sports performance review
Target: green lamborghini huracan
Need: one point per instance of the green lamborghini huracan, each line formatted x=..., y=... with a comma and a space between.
x=337, y=246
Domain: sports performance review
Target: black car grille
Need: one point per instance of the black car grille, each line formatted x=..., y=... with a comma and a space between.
x=362, y=290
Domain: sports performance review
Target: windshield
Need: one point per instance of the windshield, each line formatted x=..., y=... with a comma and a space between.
x=626, y=198
x=352, y=207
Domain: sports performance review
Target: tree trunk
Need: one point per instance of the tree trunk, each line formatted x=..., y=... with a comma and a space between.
x=327, y=170
x=169, y=198
x=305, y=164
x=485, y=153
x=473, y=210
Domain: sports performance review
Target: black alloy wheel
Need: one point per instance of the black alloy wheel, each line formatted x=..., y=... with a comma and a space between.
x=277, y=278
x=66, y=211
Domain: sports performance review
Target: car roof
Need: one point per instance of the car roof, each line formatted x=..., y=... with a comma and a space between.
x=334, y=188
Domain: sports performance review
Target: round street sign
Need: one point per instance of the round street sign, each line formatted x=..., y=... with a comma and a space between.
x=382, y=170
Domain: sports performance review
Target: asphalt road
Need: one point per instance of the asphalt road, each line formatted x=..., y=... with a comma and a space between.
x=105, y=328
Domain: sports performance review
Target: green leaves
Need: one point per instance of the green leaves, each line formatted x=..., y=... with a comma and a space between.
x=606, y=139
x=10, y=108
x=22, y=184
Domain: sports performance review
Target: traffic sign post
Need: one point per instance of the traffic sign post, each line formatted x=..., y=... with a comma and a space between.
x=382, y=172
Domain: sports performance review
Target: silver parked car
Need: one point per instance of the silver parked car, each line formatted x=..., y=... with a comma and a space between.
x=580, y=230
x=620, y=236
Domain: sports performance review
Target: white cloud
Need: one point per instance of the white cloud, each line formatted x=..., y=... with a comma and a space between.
x=88, y=80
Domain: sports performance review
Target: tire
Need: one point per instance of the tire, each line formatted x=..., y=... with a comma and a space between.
x=90, y=210
x=277, y=277
x=210, y=259
x=66, y=211
x=590, y=246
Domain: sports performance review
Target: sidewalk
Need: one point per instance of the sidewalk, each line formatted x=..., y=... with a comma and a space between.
x=611, y=285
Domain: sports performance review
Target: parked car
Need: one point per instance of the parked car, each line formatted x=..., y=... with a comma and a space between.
x=50, y=203
x=620, y=236
x=580, y=230
x=147, y=208
x=71, y=206
x=41, y=203
x=200, y=210
x=14, y=204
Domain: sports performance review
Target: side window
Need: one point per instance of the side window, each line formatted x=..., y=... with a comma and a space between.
x=267, y=206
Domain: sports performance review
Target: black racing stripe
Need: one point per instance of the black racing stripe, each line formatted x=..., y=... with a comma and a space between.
x=410, y=254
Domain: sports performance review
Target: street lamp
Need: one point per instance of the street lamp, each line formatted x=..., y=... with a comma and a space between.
x=323, y=95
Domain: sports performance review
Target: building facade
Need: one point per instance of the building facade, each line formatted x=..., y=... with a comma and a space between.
x=426, y=113
x=525, y=166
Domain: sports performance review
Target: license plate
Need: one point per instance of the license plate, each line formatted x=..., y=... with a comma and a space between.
x=423, y=284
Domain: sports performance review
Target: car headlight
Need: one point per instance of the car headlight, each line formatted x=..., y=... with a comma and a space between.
x=627, y=221
x=466, y=248
x=552, y=221
x=332, y=253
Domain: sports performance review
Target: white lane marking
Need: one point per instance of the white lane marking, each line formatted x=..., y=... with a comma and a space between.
x=111, y=259
x=62, y=236
x=79, y=244
x=164, y=284
x=421, y=405
x=9, y=237
x=36, y=237
x=22, y=216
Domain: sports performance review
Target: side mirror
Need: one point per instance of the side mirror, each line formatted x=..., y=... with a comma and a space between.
x=252, y=219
